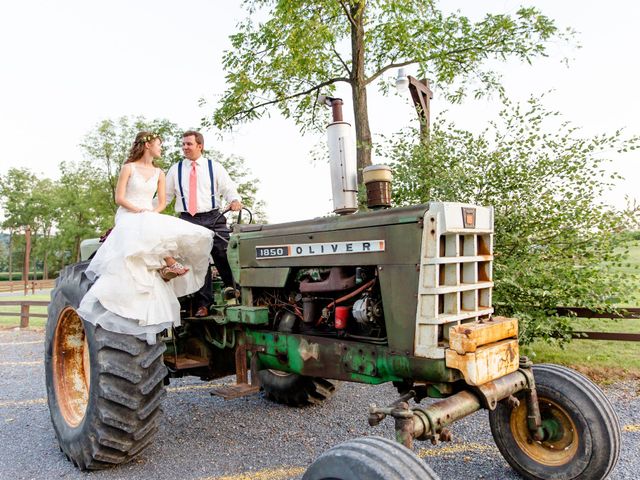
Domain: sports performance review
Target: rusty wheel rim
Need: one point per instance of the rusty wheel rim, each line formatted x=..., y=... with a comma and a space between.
x=71, y=367
x=560, y=442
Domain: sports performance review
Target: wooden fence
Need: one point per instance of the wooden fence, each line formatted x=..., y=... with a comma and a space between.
x=31, y=285
x=623, y=313
x=25, y=306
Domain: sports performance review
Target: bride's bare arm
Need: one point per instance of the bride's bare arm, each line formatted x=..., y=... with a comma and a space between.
x=121, y=187
x=161, y=197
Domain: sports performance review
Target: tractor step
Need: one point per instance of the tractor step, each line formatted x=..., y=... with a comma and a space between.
x=242, y=388
x=185, y=362
x=229, y=392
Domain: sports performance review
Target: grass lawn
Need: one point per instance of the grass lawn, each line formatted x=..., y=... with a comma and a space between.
x=603, y=360
x=14, y=321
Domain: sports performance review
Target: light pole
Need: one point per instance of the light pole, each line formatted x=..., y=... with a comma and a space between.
x=421, y=94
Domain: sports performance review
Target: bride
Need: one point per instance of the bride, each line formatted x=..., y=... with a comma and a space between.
x=148, y=259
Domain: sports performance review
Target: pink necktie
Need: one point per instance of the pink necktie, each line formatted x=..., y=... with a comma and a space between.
x=193, y=190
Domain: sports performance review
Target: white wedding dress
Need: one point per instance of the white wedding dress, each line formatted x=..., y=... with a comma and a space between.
x=128, y=295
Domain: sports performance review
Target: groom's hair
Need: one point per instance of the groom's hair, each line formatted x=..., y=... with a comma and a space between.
x=198, y=135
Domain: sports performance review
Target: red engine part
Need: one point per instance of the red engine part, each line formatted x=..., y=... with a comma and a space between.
x=342, y=315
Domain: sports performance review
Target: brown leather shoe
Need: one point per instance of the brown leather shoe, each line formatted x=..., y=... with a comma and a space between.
x=202, y=312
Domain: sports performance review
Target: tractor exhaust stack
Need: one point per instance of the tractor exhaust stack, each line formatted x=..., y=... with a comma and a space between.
x=344, y=181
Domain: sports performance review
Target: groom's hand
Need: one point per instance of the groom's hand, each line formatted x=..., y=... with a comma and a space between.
x=235, y=205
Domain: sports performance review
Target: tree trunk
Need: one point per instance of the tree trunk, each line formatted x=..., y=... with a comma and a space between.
x=112, y=179
x=359, y=89
x=10, y=255
x=33, y=258
x=76, y=249
x=45, y=266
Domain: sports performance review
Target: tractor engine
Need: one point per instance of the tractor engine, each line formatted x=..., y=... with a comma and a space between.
x=332, y=301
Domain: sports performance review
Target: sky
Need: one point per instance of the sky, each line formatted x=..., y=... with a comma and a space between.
x=67, y=65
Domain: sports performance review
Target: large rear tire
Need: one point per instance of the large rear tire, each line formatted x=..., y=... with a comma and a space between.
x=104, y=389
x=369, y=458
x=582, y=434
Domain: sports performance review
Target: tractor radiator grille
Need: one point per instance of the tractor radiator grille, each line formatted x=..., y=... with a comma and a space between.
x=456, y=277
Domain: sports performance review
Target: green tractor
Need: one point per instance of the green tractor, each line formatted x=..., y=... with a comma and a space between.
x=398, y=295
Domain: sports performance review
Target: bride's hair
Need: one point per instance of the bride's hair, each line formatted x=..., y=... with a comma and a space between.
x=137, y=149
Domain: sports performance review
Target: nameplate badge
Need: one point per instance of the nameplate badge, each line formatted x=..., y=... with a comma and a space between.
x=311, y=249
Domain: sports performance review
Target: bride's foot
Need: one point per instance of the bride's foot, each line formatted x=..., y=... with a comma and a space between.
x=173, y=271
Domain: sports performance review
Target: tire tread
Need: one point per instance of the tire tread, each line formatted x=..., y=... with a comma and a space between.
x=587, y=402
x=124, y=401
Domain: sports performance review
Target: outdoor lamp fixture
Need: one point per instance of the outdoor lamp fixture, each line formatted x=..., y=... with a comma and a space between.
x=402, y=82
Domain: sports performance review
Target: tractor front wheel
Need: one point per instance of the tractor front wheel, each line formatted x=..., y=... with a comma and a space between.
x=369, y=458
x=581, y=431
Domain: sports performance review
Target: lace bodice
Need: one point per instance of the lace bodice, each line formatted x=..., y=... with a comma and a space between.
x=140, y=191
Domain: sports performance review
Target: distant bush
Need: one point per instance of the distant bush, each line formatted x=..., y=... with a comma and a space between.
x=17, y=276
x=630, y=235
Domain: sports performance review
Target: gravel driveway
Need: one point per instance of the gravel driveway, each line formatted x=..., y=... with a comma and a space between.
x=204, y=437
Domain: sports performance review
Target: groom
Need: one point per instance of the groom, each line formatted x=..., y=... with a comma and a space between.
x=198, y=184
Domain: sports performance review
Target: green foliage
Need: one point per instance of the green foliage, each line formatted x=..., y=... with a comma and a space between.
x=285, y=53
x=33, y=275
x=632, y=235
x=556, y=242
x=26, y=201
x=247, y=185
x=83, y=207
x=16, y=187
x=630, y=265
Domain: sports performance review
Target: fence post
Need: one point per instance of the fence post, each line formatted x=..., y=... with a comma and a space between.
x=24, y=315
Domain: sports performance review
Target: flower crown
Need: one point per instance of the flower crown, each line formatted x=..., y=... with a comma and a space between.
x=148, y=138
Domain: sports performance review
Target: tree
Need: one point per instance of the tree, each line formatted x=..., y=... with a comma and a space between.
x=16, y=191
x=305, y=47
x=46, y=207
x=83, y=207
x=44, y=220
x=555, y=239
x=107, y=146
